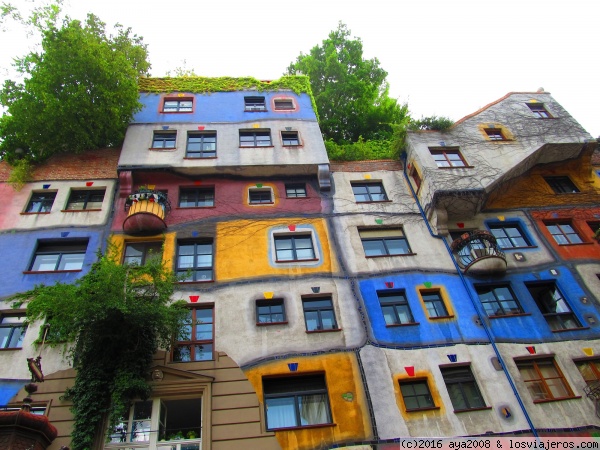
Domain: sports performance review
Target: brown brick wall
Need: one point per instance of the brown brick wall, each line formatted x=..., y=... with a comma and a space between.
x=365, y=166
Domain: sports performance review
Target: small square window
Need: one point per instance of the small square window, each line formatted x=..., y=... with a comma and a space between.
x=270, y=312
x=539, y=110
x=293, y=402
x=201, y=145
x=178, y=105
x=295, y=190
x=290, y=138
x=448, y=157
x=85, y=199
x=255, y=104
x=12, y=330
x=462, y=388
x=255, y=138
x=553, y=306
x=384, y=242
x=589, y=370
x=563, y=233
x=164, y=140
x=260, y=196
x=494, y=134
x=319, y=314
x=416, y=395
x=195, y=260
x=138, y=253
x=395, y=308
x=297, y=247
x=369, y=192
x=284, y=104
x=434, y=303
x=498, y=300
x=63, y=255
x=196, y=338
x=40, y=202
x=544, y=379
x=509, y=235
x=561, y=185
x=197, y=197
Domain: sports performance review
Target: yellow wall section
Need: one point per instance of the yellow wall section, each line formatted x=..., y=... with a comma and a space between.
x=445, y=298
x=118, y=241
x=350, y=418
x=243, y=249
x=435, y=395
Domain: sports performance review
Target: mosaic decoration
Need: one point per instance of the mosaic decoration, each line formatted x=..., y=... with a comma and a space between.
x=460, y=225
x=428, y=284
x=367, y=176
x=255, y=125
x=258, y=185
x=194, y=234
x=197, y=182
x=452, y=358
x=194, y=298
x=348, y=396
x=378, y=221
x=292, y=227
x=410, y=370
x=64, y=233
x=201, y=127
x=501, y=218
x=315, y=289
x=531, y=349
x=293, y=367
x=165, y=127
x=389, y=284
x=46, y=186
x=89, y=183
x=588, y=351
x=268, y=295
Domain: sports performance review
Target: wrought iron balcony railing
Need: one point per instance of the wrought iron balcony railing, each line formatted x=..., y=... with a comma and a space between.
x=478, y=252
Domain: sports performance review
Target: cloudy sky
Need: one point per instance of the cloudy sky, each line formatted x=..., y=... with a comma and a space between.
x=443, y=57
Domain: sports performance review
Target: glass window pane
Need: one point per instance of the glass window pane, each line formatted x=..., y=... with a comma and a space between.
x=397, y=246
x=328, y=320
x=45, y=263
x=203, y=352
x=374, y=248
x=313, y=409
x=281, y=412
x=71, y=261
x=312, y=320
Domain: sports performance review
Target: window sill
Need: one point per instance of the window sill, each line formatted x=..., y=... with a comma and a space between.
x=266, y=324
x=323, y=331
x=256, y=110
x=258, y=146
x=578, y=243
x=387, y=256
x=441, y=317
x=409, y=324
x=196, y=207
x=10, y=349
x=319, y=425
x=160, y=149
x=430, y=408
x=176, y=112
x=374, y=201
x=261, y=204
x=198, y=157
x=549, y=400
x=482, y=408
x=295, y=260
x=505, y=249
x=291, y=146
x=570, y=329
x=456, y=167
x=196, y=282
x=506, y=316
x=79, y=210
x=30, y=272
x=297, y=198
x=187, y=362
x=33, y=213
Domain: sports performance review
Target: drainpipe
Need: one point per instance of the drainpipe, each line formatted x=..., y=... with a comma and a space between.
x=473, y=301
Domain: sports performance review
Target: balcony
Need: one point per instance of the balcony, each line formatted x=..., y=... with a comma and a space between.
x=146, y=211
x=478, y=253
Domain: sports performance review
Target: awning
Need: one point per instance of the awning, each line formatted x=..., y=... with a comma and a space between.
x=9, y=388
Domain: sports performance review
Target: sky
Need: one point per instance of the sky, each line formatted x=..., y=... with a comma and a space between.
x=445, y=58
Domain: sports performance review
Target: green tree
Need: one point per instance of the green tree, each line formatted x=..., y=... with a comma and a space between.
x=113, y=319
x=351, y=93
x=432, y=123
x=78, y=92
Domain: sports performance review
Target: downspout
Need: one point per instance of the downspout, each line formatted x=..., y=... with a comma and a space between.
x=470, y=294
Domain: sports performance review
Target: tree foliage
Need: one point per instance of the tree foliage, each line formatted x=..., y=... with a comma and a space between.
x=78, y=92
x=351, y=93
x=114, y=318
x=432, y=123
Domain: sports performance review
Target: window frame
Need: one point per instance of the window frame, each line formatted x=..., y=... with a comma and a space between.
x=368, y=193
x=498, y=301
x=7, y=339
x=561, y=184
x=179, y=109
x=295, y=187
x=539, y=110
x=428, y=396
x=193, y=343
x=440, y=299
x=593, y=366
x=259, y=199
x=196, y=191
x=445, y=151
x=45, y=204
x=562, y=233
x=294, y=393
x=270, y=314
x=395, y=234
x=63, y=247
x=255, y=103
x=293, y=237
x=545, y=389
x=164, y=137
x=203, y=150
x=290, y=138
x=504, y=226
x=179, y=271
x=147, y=248
x=468, y=378
x=495, y=134
x=282, y=100
x=561, y=317
x=320, y=310
x=89, y=193
x=255, y=134
x=396, y=308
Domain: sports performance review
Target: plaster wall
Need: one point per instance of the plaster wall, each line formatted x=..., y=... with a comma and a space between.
x=590, y=275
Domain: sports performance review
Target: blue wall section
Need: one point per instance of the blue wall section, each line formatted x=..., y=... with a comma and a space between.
x=17, y=251
x=223, y=107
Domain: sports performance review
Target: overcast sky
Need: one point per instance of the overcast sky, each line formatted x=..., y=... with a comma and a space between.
x=443, y=57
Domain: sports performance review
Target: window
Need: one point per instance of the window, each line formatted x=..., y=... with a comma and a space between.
x=416, y=178
x=462, y=388
x=260, y=196
x=290, y=138
x=539, y=110
x=163, y=140
x=589, y=370
x=12, y=330
x=553, y=306
x=434, y=303
x=296, y=401
x=139, y=253
x=195, y=261
x=284, y=104
x=297, y=247
x=255, y=139
x=448, y=157
x=85, y=199
x=498, y=300
x=255, y=104
x=201, y=145
x=40, y=202
x=384, y=242
x=195, y=339
x=544, y=379
x=494, y=134
x=53, y=256
x=509, y=235
x=197, y=197
x=369, y=192
x=270, y=311
x=563, y=233
x=295, y=190
x=395, y=308
x=561, y=185
x=416, y=395
x=318, y=314
x=179, y=105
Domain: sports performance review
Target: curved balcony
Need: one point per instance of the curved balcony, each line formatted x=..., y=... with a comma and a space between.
x=477, y=252
x=146, y=211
